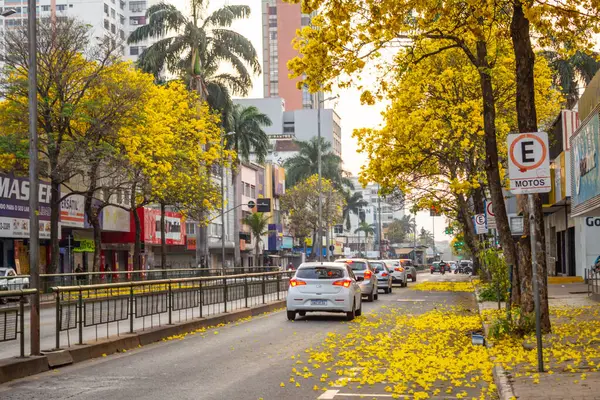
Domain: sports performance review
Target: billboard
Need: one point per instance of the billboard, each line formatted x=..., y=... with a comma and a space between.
x=175, y=228
x=72, y=211
x=585, y=183
x=278, y=180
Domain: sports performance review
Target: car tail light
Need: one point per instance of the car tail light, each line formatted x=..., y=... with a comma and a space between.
x=296, y=282
x=384, y=274
x=345, y=283
x=399, y=269
x=368, y=274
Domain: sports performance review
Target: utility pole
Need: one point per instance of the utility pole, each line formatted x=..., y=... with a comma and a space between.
x=319, y=187
x=379, y=227
x=34, y=223
x=223, y=205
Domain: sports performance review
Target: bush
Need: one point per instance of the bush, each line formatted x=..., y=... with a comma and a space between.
x=500, y=327
x=490, y=293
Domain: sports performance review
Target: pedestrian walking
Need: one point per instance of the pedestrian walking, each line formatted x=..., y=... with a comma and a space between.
x=108, y=274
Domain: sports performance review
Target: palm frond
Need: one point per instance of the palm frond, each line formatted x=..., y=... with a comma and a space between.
x=226, y=15
x=163, y=18
x=238, y=45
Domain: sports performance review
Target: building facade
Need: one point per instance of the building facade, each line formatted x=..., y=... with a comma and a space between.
x=113, y=18
x=280, y=21
x=302, y=125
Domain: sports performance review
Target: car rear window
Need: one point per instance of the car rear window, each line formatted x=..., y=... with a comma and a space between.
x=379, y=267
x=407, y=263
x=320, y=273
x=357, y=265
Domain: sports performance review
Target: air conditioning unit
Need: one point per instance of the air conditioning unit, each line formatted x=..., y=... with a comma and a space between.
x=133, y=22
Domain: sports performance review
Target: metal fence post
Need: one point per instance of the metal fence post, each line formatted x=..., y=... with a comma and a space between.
x=22, y=324
x=57, y=319
x=246, y=291
x=278, y=285
x=225, y=293
x=131, y=309
x=80, y=316
x=200, y=302
x=170, y=303
x=263, y=289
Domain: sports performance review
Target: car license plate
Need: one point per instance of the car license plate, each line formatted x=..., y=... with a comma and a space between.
x=318, y=302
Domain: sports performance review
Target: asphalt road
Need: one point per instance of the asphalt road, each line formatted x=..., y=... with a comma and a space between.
x=248, y=360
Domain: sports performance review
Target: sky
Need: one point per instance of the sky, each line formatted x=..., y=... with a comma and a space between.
x=347, y=105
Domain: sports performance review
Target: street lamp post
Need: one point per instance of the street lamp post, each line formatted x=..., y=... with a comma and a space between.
x=34, y=229
x=319, y=186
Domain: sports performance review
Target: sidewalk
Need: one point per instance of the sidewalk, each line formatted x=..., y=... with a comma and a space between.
x=571, y=352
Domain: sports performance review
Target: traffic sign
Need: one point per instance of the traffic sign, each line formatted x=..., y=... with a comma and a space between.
x=479, y=222
x=529, y=163
x=490, y=217
x=251, y=204
x=263, y=205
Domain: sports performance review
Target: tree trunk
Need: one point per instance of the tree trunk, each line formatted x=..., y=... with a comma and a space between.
x=237, y=258
x=95, y=222
x=527, y=122
x=327, y=243
x=137, y=245
x=468, y=230
x=491, y=150
x=54, y=227
x=163, y=237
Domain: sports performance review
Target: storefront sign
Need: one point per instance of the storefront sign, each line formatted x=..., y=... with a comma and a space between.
x=72, y=211
x=287, y=243
x=115, y=219
x=584, y=164
x=190, y=242
x=173, y=223
x=14, y=198
x=19, y=228
x=85, y=246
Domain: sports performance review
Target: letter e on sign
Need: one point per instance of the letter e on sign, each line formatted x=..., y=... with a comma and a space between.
x=528, y=163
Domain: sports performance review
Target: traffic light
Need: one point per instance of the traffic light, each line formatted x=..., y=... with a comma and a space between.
x=449, y=230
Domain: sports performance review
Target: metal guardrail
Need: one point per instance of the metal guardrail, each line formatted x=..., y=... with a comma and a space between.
x=12, y=318
x=48, y=281
x=81, y=307
x=592, y=278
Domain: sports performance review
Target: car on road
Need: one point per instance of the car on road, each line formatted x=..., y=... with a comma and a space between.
x=361, y=268
x=384, y=275
x=324, y=287
x=409, y=266
x=9, y=280
x=398, y=272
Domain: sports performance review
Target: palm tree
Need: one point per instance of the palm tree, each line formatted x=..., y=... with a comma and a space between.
x=367, y=229
x=407, y=222
x=426, y=238
x=305, y=164
x=258, y=224
x=195, y=47
x=570, y=72
x=247, y=135
x=354, y=203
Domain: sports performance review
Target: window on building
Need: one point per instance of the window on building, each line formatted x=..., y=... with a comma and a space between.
x=61, y=7
x=134, y=51
x=113, y=28
x=122, y=5
x=137, y=20
x=113, y=13
x=190, y=228
x=338, y=229
x=137, y=6
x=305, y=21
x=121, y=34
x=45, y=8
x=70, y=5
x=253, y=191
x=106, y=24
x=106, y=9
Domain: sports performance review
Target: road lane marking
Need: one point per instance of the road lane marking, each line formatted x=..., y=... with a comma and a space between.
x=328, y=395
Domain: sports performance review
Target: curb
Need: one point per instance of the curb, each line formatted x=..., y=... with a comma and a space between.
x=16, y=368
x=505, y=389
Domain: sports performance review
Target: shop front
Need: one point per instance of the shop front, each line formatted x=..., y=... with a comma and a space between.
x=14, y=223
x=585, y=185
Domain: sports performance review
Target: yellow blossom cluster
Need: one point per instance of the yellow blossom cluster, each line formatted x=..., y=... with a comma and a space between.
x=421, y=356
x=444, y=287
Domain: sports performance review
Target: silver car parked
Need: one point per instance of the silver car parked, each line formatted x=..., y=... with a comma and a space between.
x=361, y=268
x=384, y=275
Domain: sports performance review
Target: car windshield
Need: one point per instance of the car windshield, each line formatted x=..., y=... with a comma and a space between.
x=320, y=273
x=378, y=266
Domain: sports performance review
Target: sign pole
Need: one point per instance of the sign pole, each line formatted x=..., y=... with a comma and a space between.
x=536, y=289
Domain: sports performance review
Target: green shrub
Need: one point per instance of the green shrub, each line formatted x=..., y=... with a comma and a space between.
x=490, y=293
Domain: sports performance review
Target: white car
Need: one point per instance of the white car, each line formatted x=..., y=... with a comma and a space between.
x=9, y=280
x=324, y=287
x=398, y=272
